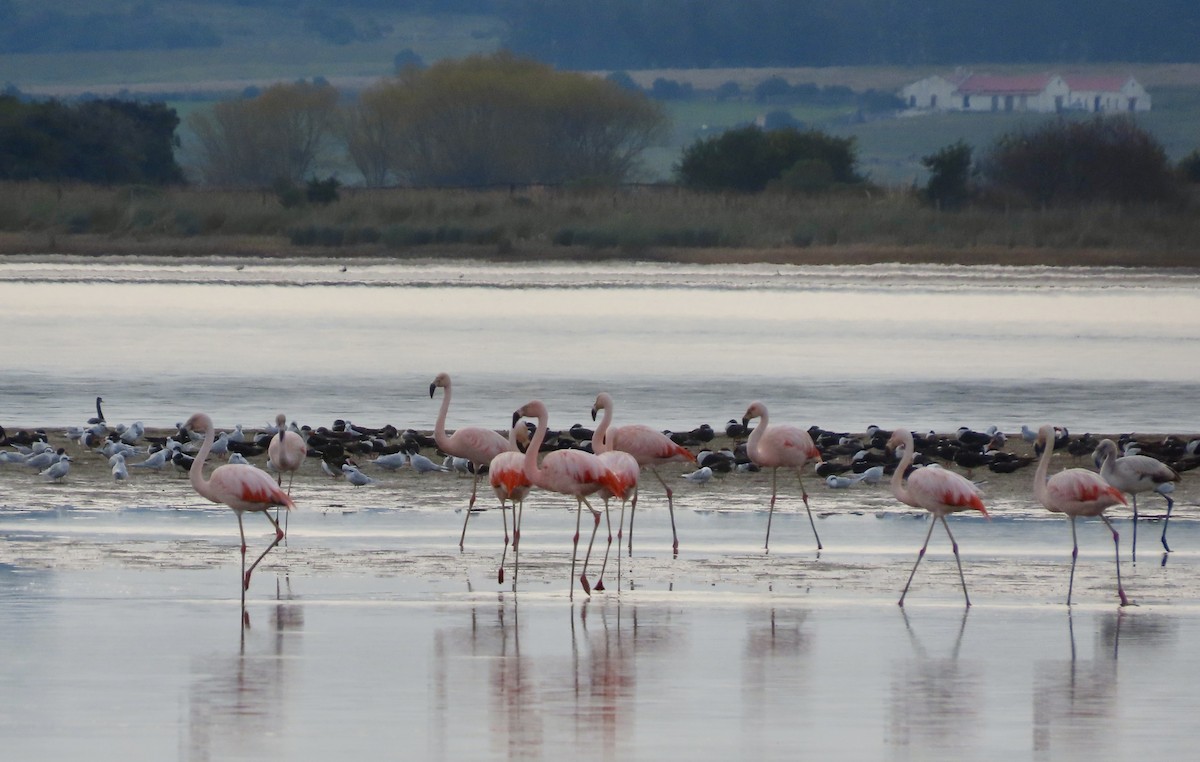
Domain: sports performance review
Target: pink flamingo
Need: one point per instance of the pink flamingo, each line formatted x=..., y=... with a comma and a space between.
x=567, y=472
x=241, y=487
x=506, y=474
x=476, y=444
x=287, y=452
x=649, y=448
x=1137, y=473
x=780, y=446
x=627, y=472
x=1076, y=492
x=936, y=490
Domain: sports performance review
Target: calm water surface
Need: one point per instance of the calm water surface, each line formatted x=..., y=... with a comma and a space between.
x=843, y=347
x=373, y=636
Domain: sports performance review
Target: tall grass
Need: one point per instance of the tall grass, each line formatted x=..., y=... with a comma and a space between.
x=649, y=222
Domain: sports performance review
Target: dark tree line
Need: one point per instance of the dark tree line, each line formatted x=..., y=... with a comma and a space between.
x=103, y=141
x=48, y=30
x=613, y=34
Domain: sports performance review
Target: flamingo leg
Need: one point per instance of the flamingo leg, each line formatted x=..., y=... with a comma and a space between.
x=278, y=537
x=1074, y=557
x=1117, y=548
x=504, y=516
x=583, y=580
x=1133, y=553
x=813, y=524
x=608, y=523
x=771, y=512
x=670, y=508
x=954, y=545
x=1170, y=505
x=632, y=510
x=920, y=555
x=575, y=543
x=517, y=511
x=470, y=506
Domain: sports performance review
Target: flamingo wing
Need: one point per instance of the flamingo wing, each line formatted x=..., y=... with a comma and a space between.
x=507, y=472
x=476, y=444
x=937, y=488
x=1083, y=489
x=647, y=445
x=247, y=488
x=792, y=446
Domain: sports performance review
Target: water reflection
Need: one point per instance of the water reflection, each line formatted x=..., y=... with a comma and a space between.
x=936, y=699
x=1075, y=700
x=773, y=673
x=236, y=703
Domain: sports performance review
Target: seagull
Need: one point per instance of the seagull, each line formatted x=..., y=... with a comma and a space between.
x=423, y=464
x=238, y=459
x=156, y=460
x=841, y=482
x=699, y=476
x=872, y=475
x=459, y=465
x=391, y=462
x=119, y=472
x=356, y=477
x=132, y=434
x=58, y=470
x=43, y=459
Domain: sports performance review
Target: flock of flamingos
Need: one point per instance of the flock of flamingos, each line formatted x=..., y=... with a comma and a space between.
x=612, y=471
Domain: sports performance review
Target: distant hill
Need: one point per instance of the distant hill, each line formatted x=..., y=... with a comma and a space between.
x=635, y=34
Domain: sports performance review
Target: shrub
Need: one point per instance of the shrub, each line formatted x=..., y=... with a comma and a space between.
x=749, y=158
x=1103, y=159
x=323, y=192
x=1189, y=167
x=949, y=176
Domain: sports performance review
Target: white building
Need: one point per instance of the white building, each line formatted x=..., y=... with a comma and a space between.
x=1040, y=93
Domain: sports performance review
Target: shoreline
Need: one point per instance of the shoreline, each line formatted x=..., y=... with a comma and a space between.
x=43, y=248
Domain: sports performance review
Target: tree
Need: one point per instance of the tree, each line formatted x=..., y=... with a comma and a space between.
x=101, y=141
x=949, y=175
x=499, y=119
x=1105, y=159
x=275, y=135
x=749, y=158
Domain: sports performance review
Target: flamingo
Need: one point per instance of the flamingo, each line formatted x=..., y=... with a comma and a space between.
x=568, y=472
x=1076, y=492
x=287, y=452
x=1133, y=474
x=242, y=488
x=475, y=443
x=506, y=474
x=936, y=490
x=649, y=448
x=627, y=471
x=780, y=446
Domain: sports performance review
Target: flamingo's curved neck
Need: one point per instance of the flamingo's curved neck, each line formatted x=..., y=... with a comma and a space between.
x=600, y=441
x=755, y=436
x=535, y=446
x=1039, y=477
x=196, y=472
x=439, y=428
x=899, y=487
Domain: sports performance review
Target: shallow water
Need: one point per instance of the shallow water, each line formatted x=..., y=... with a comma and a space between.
x=371, y=634
x=842, y=347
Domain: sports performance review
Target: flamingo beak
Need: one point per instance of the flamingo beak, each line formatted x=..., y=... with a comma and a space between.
x=516, y=417
x=431, y=388
x=745, y=422
x=593, y=413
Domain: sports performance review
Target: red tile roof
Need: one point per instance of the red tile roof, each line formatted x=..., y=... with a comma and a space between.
x=1095, y=83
